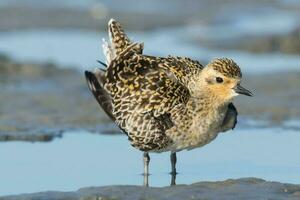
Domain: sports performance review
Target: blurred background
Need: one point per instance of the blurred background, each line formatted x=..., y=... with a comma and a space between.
x=53, y=134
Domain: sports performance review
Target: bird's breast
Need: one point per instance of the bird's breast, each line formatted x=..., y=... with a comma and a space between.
x=202, y=128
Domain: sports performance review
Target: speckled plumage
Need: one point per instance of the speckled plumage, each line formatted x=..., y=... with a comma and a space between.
x=227, y=67
x=161, y=103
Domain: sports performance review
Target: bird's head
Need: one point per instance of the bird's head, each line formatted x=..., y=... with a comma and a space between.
x=221, y=78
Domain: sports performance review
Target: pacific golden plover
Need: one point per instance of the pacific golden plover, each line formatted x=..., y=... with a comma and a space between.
x=164, y=103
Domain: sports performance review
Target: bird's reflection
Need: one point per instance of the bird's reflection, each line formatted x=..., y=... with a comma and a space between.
x=146, y=179
x=173, y=179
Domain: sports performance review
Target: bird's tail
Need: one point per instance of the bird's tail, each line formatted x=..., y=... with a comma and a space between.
x=118, y=42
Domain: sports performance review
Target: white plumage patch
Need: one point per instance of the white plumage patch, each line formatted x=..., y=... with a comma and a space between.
x=108, y=51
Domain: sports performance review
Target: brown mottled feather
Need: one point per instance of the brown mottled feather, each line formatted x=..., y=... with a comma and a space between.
x=119, y=39
x=144, y=90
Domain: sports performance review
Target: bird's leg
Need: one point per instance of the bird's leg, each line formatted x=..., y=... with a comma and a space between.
x=173, y=173
x=146, y=163
x=173, y=162
x=146, y=158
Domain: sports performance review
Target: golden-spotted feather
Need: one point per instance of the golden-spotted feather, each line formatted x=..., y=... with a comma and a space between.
x=119, y=40
x=144, y=90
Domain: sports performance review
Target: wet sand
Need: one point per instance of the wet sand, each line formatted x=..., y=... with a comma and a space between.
x=41, y=101
x=246, y=189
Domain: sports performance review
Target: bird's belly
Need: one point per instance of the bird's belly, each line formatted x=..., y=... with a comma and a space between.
x=192, y=140
x=199, y=134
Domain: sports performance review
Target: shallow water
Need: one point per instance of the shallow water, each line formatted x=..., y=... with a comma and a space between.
x=81, y=159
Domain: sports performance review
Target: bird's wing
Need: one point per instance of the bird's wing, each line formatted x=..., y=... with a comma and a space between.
x=147, y=83
x=95, y=83
x=144, y=90
x=230, y=119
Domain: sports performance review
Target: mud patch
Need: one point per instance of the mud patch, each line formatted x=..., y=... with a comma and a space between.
x=39, y=102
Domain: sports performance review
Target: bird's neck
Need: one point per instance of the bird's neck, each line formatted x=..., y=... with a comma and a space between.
x=208, y=102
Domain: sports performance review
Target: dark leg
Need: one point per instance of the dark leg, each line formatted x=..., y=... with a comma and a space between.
x=173, y=173
x=173, y=159
x=146, y=158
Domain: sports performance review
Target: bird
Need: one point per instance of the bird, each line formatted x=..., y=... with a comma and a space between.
x=164, y=104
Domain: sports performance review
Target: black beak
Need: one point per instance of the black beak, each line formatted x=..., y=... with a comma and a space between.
x=240, y=90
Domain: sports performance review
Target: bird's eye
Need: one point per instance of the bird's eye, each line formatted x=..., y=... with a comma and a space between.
x=219, y=80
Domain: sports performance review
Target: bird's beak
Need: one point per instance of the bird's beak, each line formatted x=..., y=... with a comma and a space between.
x=240, y=90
